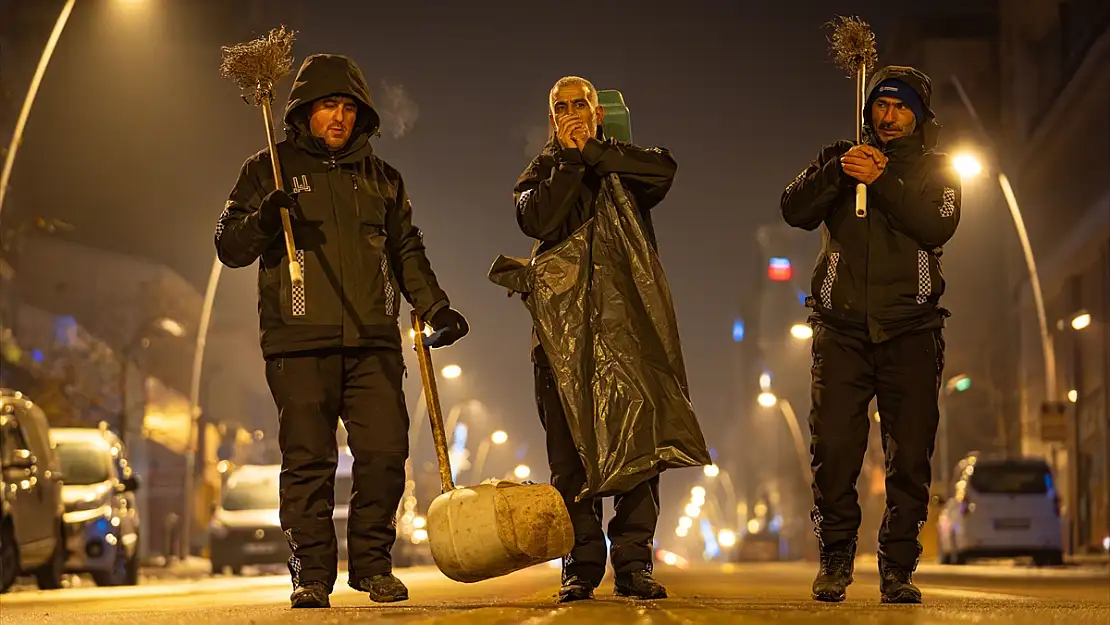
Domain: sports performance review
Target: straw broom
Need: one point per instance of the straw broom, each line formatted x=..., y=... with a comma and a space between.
x=852, y=46
x=256, y=66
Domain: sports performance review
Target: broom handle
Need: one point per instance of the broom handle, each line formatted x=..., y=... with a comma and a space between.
x=287, y=227
x=431, y=400
x=861, y=189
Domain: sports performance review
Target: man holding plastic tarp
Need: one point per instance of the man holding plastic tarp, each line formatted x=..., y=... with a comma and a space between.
x=610, y=382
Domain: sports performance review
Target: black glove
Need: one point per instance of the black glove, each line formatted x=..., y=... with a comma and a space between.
x=269, y=212
x=448, y=326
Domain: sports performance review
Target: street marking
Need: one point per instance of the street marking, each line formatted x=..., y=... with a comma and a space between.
x=212, y=585
x=960, y=593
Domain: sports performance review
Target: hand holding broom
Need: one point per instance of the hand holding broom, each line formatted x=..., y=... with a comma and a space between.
x=852, y=46
x=256, y=66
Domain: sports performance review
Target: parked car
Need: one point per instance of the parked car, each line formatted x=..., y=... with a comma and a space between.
x=245, y=529
x=1001, y=508
x=32, y=533
x=101, y=515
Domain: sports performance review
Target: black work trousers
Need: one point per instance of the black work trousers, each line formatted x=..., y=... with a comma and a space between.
x=904, y=373
x=312, y=391
x=632, y=528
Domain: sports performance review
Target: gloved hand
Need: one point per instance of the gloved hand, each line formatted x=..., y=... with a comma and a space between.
x=448, y=326
x=269, y=212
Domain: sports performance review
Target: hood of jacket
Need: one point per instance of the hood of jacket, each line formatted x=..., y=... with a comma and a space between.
x=928, y=129
x=323, y=75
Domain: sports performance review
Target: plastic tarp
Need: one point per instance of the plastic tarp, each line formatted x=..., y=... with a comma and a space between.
x=604, y=315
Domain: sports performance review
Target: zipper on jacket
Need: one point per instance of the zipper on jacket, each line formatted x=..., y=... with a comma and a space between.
x=358, y=207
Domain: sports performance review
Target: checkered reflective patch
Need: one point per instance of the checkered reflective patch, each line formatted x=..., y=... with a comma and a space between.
x=299, y=303
x=830, y=278
x=390, y=296
x=924, y=277
x=948, y=207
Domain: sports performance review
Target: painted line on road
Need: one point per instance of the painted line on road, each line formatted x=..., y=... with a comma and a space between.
x=206, y=586
x=961, y=593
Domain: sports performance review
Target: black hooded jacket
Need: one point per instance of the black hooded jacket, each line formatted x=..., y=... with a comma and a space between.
x=880, y=276
x=557, y=193
x=352, y=226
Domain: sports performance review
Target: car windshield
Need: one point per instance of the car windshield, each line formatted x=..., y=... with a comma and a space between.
x=1011, y=479
x=251, y=493
x=84, y=463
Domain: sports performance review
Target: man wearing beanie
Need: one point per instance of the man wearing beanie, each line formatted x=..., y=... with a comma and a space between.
x=877, y=324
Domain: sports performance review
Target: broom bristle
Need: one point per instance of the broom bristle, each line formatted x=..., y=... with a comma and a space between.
x=852, y=44
x=257, y=65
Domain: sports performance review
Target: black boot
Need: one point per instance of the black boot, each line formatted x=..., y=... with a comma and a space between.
x=837, y=565
x=896, y=585
x=576, y=588
x=383, y=588
x=639, y=585
x=310, y=595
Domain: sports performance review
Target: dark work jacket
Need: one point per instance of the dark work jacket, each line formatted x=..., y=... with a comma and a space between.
x=352, y=227
x=558, y=191
x=878, y=276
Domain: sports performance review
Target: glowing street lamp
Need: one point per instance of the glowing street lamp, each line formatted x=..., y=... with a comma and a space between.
x=967, y=165
x=801, y=331
x=452, y=371
x=1081, y=321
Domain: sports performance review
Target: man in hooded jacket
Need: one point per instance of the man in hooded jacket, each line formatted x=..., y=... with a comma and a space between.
x=877, y=323
x=332, y=344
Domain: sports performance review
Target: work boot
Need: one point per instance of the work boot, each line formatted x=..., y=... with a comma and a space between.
x=896, y=585
x=383, y=588
x=837, y=565
x=639, y=585
x=575, y=589
x=310, y=595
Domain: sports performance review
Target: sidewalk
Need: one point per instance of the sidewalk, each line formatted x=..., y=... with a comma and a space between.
x=189, y=569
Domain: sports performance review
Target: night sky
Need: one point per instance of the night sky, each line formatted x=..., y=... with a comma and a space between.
x=137, y=140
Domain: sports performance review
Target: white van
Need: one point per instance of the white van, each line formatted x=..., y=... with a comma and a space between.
x=1001, y=508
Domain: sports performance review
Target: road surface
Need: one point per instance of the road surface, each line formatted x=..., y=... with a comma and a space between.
x=756, y=593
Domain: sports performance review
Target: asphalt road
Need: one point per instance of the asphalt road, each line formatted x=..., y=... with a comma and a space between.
x=757, y=593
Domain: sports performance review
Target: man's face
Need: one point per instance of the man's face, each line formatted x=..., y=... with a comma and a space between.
x=891, y=118
x=575, y=99
x=333, y=119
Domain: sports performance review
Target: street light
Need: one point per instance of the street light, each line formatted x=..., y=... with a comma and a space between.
x=1047, y=351
x=967, y=165
x=1073, y=395
x=497, y=438
x=452, y=371
x=1081, y=320
x=522, y=472
x=29, y=99
x=801, y=331
x=727, y=538
x=767, y=399
x=711, y=470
